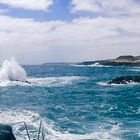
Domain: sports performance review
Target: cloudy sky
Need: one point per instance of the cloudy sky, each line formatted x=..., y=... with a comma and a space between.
x=38, y=31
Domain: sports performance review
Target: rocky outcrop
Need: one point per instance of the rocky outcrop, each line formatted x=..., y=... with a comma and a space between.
x=125, y=80
x=6, y=132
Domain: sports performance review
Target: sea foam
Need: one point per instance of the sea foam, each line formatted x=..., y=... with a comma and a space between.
x=91, y=65
x=32, y=119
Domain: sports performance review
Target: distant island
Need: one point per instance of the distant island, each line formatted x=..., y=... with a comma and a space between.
x=125, y=60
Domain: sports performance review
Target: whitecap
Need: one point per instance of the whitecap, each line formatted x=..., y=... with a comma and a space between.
x=97, y=65
x=91, y=65
x=135, y=70
x=102, y=83
x=54, y=81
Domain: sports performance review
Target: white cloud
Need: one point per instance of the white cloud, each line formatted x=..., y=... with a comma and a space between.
x=106, y=7
x=29, y=4
x=85, y=5
x=81, y=39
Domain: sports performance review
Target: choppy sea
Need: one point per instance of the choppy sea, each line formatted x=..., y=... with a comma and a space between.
x=74, y=103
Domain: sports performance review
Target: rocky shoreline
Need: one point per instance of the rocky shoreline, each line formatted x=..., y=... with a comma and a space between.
x=128, y=60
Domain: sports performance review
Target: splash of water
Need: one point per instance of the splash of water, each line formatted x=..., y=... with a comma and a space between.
x=11, y=70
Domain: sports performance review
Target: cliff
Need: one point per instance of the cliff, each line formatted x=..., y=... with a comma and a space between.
x=127, y=59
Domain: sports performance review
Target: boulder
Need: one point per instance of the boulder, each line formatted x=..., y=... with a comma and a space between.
x=6, y=132
x=125, y=80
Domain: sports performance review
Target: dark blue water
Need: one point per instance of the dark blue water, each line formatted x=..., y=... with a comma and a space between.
x=75, y=103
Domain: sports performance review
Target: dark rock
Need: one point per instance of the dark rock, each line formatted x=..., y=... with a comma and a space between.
x=24, y=81
x=125, y=80
x=27, y=82
x=6, y=132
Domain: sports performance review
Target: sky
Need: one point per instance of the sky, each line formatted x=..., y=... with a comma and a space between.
x=40, y=31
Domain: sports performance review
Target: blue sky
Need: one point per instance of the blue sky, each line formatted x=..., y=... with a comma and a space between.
x=38, y=31
x=58, y=11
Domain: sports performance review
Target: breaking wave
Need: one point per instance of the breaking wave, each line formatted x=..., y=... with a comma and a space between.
x=32, y=119
x=12, y=71
x=92, y=65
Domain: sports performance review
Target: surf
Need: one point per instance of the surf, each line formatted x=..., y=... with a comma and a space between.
x=34, y=122
x=13, y=74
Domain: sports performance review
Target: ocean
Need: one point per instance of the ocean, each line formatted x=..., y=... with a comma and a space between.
x=73, y=102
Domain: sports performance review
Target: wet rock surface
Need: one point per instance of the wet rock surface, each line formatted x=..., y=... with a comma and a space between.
x=125, y=80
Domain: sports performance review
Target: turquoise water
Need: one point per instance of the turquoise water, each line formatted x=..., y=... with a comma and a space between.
x=73, y=102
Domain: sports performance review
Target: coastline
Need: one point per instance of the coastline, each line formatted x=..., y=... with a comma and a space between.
x=119, y=61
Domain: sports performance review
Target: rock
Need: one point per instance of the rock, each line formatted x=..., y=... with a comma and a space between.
x=27, y=82
x=6, y=132
x=24, y=81
x=125, y=80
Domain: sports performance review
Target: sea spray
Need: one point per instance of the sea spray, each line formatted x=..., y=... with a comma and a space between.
x=11, y=70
